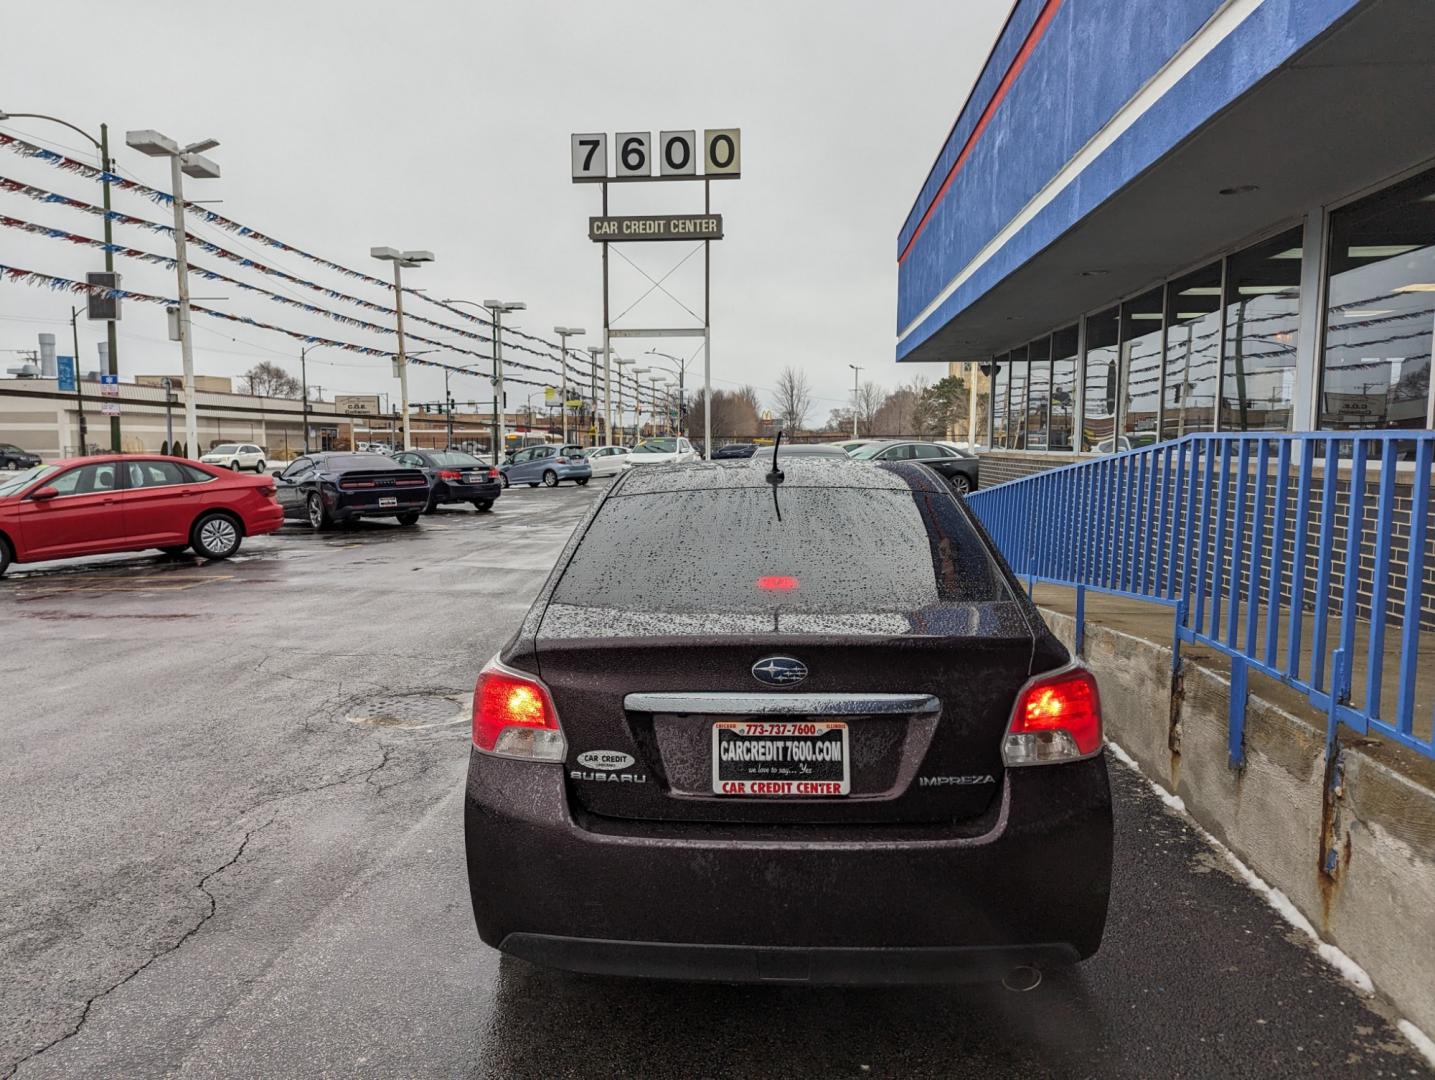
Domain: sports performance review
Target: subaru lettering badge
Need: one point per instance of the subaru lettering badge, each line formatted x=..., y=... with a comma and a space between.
x=779, y=671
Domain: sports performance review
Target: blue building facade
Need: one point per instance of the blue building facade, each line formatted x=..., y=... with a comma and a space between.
x=1152, y=218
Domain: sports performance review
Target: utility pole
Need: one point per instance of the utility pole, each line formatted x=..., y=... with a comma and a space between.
x=304, y=390
x=856, y=371
x=112, y=355
x=102, y=144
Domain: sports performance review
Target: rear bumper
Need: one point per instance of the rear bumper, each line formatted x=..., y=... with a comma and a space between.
x=451, y=492
x=804, y=904
x=406, y=504
x=741, y=963
x=268, y=520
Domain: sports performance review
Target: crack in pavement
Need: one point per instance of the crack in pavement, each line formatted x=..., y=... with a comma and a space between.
x=204, y=918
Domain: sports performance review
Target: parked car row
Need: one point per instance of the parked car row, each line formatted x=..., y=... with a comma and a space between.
x=114, y=503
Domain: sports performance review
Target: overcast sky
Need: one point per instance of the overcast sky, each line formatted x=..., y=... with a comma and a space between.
x=444, y=124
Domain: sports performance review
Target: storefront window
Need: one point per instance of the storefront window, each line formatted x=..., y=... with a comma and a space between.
x=1381, y=309
x=1098, y=431
x=1193, y=352
x=1038, y=392
x=1063, y=388
x=1141, y=322
x=1016, y=409
x=1262, y=317
x=1000, y=385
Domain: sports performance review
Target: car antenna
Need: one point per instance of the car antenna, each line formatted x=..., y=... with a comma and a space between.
x=775, y=477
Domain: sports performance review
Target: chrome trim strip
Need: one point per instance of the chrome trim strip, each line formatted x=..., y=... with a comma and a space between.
x=718, y=704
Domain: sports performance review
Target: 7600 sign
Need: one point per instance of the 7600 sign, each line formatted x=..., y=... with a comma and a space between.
x=677, y=154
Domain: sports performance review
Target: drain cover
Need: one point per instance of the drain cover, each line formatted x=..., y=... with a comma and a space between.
x=409, y=710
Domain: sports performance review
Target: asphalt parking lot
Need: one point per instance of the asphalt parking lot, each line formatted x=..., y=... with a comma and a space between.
x=233, y=794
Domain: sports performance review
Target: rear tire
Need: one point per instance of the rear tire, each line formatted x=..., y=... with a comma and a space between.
x=550, y=478
x=583, y=482
x=259, y=469
x=7, y=556
x=483, y=504
x=407, y=519
x=432, y=504
x=319, y=519
x=961, y=485
x=215, y=536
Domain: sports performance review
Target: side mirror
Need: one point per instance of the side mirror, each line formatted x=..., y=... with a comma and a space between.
x=45, y=494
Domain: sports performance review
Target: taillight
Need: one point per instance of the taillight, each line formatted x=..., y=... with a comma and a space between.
x=513, y=716
x=450, y=474
x=493, y=474
x=268, y=491
x=1057, y=718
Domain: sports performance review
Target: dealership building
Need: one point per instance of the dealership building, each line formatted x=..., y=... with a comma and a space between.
x=1153, y=219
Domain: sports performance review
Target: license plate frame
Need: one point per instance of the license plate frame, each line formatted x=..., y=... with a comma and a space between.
x=779, y=770
x=388, y=501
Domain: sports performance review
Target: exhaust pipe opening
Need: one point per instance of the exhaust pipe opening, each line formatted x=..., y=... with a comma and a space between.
x=1022, y=978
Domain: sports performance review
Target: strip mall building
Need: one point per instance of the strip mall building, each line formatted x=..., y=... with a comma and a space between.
x=1152, y=219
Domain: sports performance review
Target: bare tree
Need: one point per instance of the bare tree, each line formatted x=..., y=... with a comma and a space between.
x=749, y=395
x=792, y=400
x=269, y=380
x=869, y=399
x=733, y=414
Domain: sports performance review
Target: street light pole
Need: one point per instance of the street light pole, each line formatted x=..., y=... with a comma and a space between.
x=402, y=259
x=496, y=309
x=595, y=351
x=856, y=371
x=622, y=364
x=564, y=333
x=183, y=161
x=102, y=144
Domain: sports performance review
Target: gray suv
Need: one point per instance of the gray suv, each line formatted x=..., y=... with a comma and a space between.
x=545, y=465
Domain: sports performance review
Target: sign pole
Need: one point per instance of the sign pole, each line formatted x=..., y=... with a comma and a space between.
x=607, y=354
x=707, y=332
x=79, y=395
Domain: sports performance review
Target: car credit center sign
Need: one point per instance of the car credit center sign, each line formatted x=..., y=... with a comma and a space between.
x=656, y=227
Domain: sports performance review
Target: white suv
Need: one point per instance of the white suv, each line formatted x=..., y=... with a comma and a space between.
x=236, y=456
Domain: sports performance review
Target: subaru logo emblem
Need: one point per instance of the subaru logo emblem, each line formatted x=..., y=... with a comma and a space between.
x=779, y=671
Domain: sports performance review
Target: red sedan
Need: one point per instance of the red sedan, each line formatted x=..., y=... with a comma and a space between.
x=98, y=505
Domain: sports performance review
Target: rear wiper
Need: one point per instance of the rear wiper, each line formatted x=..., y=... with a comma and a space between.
x=775, y=476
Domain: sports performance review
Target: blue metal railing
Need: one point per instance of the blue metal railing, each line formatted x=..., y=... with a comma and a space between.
x=1297, y=556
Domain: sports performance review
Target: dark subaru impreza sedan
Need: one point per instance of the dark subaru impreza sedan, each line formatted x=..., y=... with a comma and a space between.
x=795, y=724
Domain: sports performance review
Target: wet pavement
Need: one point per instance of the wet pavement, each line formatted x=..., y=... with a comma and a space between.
x=232, y=796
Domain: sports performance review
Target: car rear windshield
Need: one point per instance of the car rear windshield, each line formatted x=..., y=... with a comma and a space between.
x=456, y=458
x=828, y=550
x=358, y=462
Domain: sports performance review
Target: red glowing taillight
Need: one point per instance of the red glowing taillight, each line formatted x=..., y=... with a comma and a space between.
x=493, y=474
x=776, y=583
x=513, y=716
x=1057, y=718
x=450, y=474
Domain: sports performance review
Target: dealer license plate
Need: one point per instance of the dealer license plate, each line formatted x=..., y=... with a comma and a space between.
x=786, y=758
x=387, y=500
